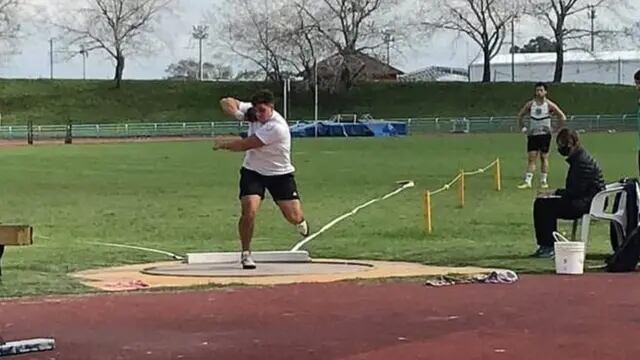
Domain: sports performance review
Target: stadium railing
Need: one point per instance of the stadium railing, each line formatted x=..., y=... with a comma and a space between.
x=486, y=124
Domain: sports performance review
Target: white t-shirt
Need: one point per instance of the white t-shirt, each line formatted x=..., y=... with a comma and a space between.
x=274, y=158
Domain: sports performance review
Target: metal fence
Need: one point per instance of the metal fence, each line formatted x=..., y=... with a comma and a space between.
x=503, y=124
x=131, y=130
x=506, y=124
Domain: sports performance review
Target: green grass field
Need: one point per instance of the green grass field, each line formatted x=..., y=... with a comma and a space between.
x=60, y=101
x=182, y=196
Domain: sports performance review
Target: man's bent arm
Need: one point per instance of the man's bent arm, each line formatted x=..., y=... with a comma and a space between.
x=240, y=145
x=559, y=113
x=522, y=113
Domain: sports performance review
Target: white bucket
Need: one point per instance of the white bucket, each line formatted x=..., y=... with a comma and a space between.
x=569, y=256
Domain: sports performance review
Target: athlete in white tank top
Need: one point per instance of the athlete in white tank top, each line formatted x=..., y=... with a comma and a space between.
x=540, y=110
x=539, y=118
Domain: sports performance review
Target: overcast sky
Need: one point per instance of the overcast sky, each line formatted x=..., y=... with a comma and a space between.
x=33, y=59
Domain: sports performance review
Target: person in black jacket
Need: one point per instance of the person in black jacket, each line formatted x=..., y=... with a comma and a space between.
x=584, y=181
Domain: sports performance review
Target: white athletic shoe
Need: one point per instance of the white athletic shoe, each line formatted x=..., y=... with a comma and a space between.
x=524, y=185
x=303, y=228
x=247, y=261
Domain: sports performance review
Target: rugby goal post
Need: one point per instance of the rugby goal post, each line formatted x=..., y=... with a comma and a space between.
x=340, y=118
x=460, y=126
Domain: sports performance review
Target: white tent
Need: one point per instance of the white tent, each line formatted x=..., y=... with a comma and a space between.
x=613, y=67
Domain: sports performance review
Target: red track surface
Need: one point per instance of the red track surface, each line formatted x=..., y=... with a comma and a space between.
x=546, y=317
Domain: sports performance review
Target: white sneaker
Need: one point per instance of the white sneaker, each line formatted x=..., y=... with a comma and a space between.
x=303, y=228
x=524, y=185
x=247, y=261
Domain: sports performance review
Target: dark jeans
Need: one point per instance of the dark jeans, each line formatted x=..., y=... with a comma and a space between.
x=546, y=212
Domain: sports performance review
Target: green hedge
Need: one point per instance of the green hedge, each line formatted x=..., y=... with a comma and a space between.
x=56, y=102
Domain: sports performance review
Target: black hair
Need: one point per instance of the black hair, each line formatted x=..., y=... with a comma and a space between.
x=263, y=97
x=568, y=135
x=637, y=75
x=542, y=85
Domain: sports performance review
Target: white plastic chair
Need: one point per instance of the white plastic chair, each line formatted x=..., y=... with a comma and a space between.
x=584, y=223
x=598, y=211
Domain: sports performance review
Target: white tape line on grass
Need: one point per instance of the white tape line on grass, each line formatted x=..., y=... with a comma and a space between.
x=170, y=254
x=405, y=185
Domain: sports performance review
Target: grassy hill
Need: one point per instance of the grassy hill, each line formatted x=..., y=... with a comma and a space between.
x=51, y=102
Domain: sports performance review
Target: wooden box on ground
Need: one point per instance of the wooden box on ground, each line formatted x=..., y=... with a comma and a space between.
x=16, y=235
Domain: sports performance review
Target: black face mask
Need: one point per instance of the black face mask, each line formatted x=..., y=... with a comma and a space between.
x=564, y=150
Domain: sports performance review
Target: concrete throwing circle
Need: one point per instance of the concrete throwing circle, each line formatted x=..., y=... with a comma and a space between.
x=263, y=269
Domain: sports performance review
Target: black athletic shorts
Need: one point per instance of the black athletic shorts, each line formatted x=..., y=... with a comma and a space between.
x=539, y=143
x=281, y=187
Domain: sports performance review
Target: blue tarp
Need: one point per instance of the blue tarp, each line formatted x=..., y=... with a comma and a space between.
x=335, y=129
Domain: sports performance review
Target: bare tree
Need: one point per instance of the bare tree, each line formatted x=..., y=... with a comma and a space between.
x=118, y=27
x=248, y=29
x=568, y=21
x=271, y=35
x=306, y=46
x=9, y=24
x=351, y=27
x=283, y=37
x=484, y=21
